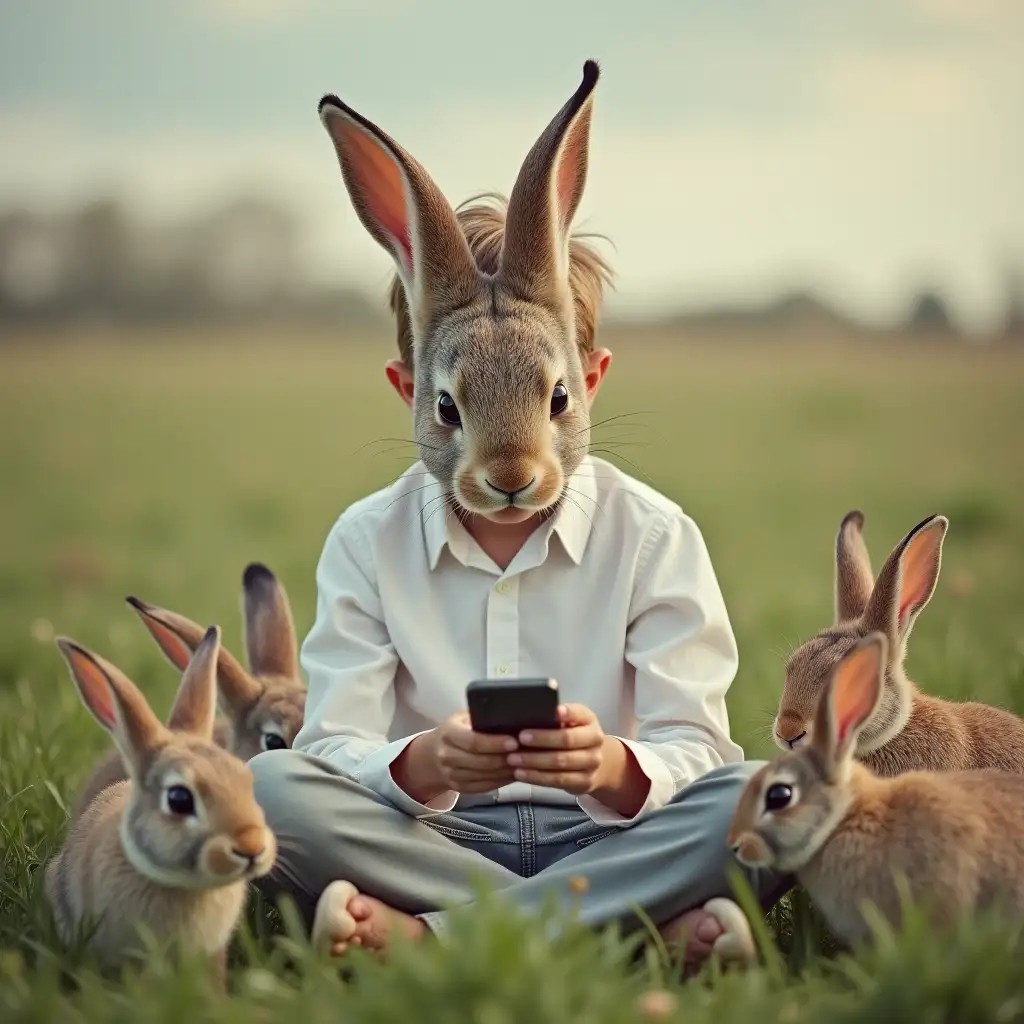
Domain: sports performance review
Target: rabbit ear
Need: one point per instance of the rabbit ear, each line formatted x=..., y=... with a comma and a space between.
x=854, y=581
x=269, y=627
x=848, y=701
x=405, y=212
x=178, y=637
x=196, y=703
x=168, y=639
x=116, y=703
x=906, y=582
x=544, y=200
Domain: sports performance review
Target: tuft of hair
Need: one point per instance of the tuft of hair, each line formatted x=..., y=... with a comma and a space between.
x=482, y=219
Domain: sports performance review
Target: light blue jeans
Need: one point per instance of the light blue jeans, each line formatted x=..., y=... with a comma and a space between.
x=329, y=827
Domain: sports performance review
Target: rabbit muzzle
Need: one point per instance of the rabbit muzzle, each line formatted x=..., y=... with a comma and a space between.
x=249, y=852
x=505, y=486
x=751, y=849
x=789, y=730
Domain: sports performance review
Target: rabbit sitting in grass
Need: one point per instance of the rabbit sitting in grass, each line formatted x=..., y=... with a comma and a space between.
x=909, y=730
x=956, y=838
x=174, y=846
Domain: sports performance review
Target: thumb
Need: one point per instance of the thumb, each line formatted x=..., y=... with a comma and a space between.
x=572, y=715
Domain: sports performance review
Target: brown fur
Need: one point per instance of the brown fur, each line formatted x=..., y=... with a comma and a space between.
x=482, y=220
x=910, y=730
x=129, y=860
x=955, y=838
x=495, y=307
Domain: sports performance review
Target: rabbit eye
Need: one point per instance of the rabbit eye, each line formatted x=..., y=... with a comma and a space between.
x=778, y=797
x=180, y=801
x=559, y=400
x=272, y=741
x=448, y=410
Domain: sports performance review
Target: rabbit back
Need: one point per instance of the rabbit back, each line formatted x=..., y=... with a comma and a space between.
x=108, y=771
x=997, y=736
x=942, y=735
x=956, y=837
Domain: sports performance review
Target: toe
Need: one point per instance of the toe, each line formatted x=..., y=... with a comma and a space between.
x=707, y=929
x=360, y=908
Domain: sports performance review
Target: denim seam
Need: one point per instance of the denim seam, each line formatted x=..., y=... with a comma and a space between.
x=527, y=839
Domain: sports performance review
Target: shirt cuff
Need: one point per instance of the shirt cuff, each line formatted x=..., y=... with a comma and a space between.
x=662, y=789
x=375, y=773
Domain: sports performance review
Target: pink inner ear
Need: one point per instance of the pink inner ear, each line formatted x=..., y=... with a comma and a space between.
x=855, y=690
x=381, y=187
x=177, y=651
x=906, y=609
x=918, y=573
x=567, y=182
x=95, y=689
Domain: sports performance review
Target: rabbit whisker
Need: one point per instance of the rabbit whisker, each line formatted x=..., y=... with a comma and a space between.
x=611, y=419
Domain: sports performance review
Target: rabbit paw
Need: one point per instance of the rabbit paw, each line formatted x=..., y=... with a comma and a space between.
x=332, y=922
x=736, y=943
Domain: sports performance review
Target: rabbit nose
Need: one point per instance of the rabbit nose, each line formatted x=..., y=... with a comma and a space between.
x=789, y=729
x=249, y=844
x=510, y=494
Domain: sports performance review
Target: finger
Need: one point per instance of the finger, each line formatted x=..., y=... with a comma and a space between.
x=556, y=760
x=571, y=782
x=453, y=759
x=491, y=779
x=575, y=738
x=479, y=742
x=571, y=715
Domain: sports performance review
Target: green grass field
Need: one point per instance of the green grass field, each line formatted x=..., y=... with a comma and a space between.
x=161, y=468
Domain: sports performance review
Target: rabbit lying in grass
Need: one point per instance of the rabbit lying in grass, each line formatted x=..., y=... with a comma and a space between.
x=909, y=730
x=173, y=847
x=957, y=838
x=263, y=709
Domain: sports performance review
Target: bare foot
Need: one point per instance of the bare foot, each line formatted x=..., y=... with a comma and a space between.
x=695, y=931
x=718, y=927
x=346, y=917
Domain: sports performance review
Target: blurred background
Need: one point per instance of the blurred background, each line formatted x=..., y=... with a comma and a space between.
x=816, y=213
x=860, y=160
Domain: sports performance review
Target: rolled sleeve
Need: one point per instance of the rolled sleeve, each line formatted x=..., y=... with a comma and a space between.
x=350, y=662
x=681, y=646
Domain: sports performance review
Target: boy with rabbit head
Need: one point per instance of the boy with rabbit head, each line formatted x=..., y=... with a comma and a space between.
x=507, y=550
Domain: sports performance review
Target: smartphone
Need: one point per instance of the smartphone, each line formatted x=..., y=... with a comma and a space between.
x=507, y=706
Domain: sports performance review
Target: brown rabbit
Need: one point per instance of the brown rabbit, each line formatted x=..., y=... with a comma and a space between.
x=910, y=730
x=955, y=838
x=263, y=708
x=174, y=847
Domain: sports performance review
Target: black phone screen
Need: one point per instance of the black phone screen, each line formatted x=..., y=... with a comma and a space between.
x=508, y=706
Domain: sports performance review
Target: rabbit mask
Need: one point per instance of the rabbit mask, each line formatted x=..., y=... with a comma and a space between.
x=500, y=394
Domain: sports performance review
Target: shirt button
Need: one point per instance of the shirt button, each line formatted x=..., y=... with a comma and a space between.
x=502, y=587
x=502, y=669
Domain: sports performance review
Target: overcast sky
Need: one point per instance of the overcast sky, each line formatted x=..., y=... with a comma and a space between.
x=864, y=147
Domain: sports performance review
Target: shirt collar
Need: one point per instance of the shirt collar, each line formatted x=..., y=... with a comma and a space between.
x=572, y=523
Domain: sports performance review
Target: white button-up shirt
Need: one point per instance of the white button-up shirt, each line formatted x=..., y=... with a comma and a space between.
x=614, y=597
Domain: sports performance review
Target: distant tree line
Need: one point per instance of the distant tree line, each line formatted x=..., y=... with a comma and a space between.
x=241, y=262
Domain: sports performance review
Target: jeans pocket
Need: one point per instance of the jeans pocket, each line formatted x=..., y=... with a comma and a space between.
x=587, y=840
x=473, y=834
